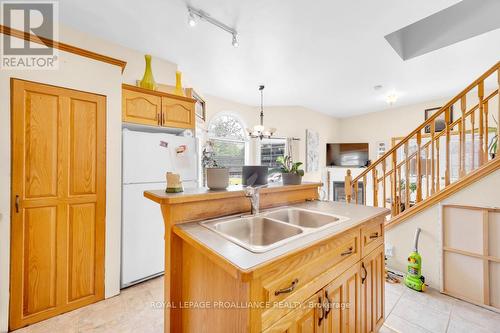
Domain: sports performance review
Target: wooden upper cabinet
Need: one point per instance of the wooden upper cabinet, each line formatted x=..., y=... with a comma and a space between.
x=177, y=113
x=155, y=108
x=140, y=108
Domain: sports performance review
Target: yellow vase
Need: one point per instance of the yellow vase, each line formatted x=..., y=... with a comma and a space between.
x=148, y=81
x=178, y=84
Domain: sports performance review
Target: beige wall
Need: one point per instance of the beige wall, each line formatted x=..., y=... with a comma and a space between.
x=290, y=121
x=483, y=193
x=382, y=126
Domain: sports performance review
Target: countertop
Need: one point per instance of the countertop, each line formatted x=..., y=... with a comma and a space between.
x=245, y=260
x=203, y=193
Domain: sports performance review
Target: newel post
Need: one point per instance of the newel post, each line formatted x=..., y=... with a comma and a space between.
x=348, y=186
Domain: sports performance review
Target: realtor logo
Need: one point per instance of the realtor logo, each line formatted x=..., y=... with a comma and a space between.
x=40, y=21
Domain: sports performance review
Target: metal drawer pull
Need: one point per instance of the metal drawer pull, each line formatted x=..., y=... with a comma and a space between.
x=347, y=252
x=365, y=275
x=288, y=289
x=327, y=305
x=320, y=316
x=374, y=235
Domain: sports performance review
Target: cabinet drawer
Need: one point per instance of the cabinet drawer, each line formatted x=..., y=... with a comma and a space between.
x=297, y=278
x=372, y=235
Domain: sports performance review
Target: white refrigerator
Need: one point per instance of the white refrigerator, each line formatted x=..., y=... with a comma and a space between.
x=146, y=159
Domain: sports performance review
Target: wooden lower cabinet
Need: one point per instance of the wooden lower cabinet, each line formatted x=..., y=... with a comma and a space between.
x=352, y=303
x=328, y=287
x=305, y=319
x=342, y=303
x=372, y=291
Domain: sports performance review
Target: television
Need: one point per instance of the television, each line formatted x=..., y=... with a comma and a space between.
x=347, y=154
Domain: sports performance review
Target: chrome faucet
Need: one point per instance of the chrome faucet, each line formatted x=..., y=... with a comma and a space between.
x=253, y=192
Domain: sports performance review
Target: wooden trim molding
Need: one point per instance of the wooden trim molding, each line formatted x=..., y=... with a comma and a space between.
x=157, y=93
x=62, y=46
x=447, y=191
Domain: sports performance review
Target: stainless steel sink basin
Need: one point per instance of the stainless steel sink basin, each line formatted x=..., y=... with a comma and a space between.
x=257, y=234
x=303, y=218
x=271, y=229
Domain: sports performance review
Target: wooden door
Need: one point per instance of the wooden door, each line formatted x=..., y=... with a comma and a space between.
x=58, y=201
x=342, y=310
x=177, y=113
x=140, y=108
x=372, y=291
x=304, y=319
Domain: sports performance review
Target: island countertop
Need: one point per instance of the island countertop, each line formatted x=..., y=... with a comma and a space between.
x=203, y=193
x=245, y=261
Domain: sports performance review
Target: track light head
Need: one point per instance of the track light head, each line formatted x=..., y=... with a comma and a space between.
x=195, y=14
x=191, y=19
x=235, y=40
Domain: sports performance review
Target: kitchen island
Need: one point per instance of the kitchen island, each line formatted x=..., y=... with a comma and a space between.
x=324, y=280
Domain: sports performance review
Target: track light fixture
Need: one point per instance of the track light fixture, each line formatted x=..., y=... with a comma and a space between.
x=235, y=40
x=191, y=19
x=195, y=14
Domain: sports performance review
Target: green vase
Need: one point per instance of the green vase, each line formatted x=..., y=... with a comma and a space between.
x=148, y=81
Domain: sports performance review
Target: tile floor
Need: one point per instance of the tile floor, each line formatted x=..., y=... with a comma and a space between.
x=406, y=312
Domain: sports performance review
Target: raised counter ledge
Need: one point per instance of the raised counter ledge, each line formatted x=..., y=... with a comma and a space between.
x=203, y=193
x=245, y=261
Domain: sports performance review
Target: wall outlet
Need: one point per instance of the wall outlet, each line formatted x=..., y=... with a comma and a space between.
x=389, y=250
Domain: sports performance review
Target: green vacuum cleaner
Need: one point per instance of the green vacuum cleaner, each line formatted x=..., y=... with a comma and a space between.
x=414, y=278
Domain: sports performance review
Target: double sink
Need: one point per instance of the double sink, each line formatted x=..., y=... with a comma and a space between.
x=268, y=230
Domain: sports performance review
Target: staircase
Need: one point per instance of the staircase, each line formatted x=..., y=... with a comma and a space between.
x=447, y=152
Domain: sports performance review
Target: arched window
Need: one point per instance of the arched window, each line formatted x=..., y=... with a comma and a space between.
x=228, y=137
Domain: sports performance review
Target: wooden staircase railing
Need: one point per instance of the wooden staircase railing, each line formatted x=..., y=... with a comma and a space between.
x=427, y=161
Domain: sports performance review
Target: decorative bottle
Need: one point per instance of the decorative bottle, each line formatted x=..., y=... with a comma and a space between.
x=178, y=84
x=148, y=81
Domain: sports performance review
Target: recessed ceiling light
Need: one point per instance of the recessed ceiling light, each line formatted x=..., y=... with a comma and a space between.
x=378, y=87
x=391, y=98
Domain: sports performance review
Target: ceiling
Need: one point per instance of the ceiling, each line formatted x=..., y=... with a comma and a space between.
x=326, y=55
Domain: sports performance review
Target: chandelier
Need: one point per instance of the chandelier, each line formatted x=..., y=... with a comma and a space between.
x=259, y=131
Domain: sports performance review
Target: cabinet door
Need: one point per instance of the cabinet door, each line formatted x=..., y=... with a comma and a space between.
x=58, y=201
x=177, y=113
x=140, y=108
x=342, y=307
x=305, y=319
x=372, y=291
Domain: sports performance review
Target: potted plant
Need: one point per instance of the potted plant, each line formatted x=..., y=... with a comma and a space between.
x=291, y=173
x=217, y=177
x=412, y=188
